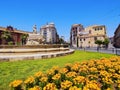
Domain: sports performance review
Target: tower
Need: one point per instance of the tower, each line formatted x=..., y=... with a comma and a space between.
x=34, y=29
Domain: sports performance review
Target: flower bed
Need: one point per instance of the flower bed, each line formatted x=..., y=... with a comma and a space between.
x=103, y=74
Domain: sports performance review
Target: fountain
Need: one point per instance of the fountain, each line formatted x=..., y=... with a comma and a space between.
x=32, y=52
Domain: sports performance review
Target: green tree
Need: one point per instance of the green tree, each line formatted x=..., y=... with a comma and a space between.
x=106, y=42
x=99, y=42
x=6, y=37
x=61, y=41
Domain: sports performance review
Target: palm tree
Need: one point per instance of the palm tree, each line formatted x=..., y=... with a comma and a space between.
x=6, y=37
x=24, y=38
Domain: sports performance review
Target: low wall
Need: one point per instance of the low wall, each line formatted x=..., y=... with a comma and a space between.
x=35, y=46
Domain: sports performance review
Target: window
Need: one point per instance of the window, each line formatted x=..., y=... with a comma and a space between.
x=95, y=38
x=76, y=28
x=84, y=39
x=89, y=31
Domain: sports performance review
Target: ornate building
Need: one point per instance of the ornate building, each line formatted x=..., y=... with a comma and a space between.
x=12, y=36
x=81, y=37
x=76, y=29
x=116, y=39
x=49, y=33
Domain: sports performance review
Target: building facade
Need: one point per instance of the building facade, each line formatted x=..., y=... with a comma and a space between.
x=116, y=38
x=12, y=36
x=76, y=29
x=49, y=33
x=87, y=36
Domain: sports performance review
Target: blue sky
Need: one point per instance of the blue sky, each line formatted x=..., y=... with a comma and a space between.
x=23, y=14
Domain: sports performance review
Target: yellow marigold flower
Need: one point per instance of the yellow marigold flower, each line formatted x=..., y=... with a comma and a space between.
x=79, y=79
x=91, y=63
x=107, y=80
x=29, y=80
x=92, y=77
x=92, y=85
x=16, y=83
x=108, y=89
x=68, y=64
x=50, y=72
x=50, y=86
x=111, y=70
x=38, y=74
x=66, y=84
x=63, y=70
x=117, y=76
x=105, y=74
x=56, y=68
x=74, y=88
x=83, y=68
x=100, y=67
x=44, y=79
x=75, y=67
x=93, y=69
x=56, y=77
x=71, y=74
x=35, y=88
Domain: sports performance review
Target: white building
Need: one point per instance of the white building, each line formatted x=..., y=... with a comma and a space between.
x=49, y=33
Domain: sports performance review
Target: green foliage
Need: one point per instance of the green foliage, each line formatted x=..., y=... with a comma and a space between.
x=10, y=43
x=10, y=71
x=24, y=38
x=106, y=42
x=61, y=41
x=99, y=42
x=7, y=36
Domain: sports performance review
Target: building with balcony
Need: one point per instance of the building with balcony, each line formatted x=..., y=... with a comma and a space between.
x=76, y=29
x=49, y=33
x=86, y=37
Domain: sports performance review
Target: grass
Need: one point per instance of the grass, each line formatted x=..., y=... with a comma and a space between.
x=10, y=71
